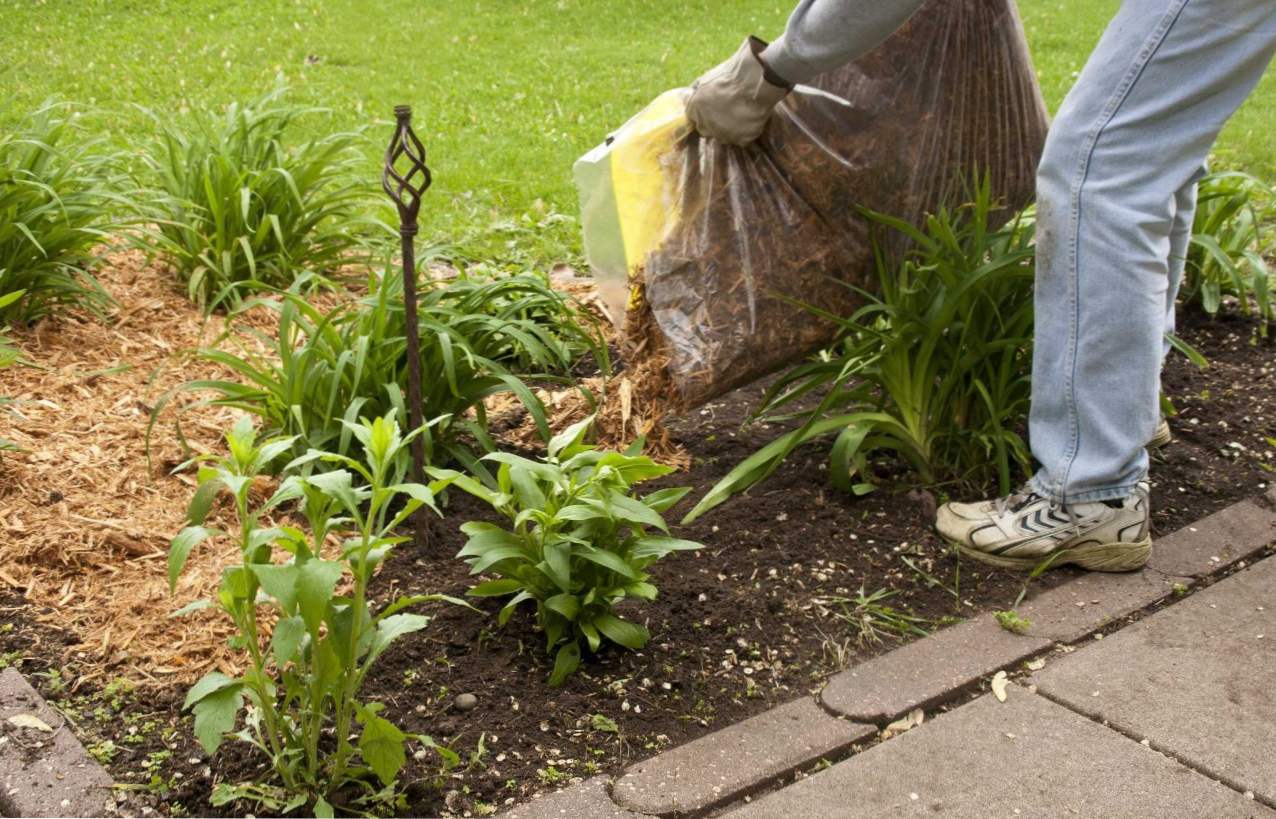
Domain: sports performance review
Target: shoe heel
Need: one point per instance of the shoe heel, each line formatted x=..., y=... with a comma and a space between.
x=1114, y=557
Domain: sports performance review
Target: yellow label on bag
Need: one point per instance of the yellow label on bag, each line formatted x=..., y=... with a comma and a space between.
x=646, y=202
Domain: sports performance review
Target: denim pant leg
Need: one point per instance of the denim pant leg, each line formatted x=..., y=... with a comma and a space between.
x=1180, y=238
x=1129, y=138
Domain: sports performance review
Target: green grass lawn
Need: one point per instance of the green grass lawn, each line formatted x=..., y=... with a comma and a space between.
x=508, y=92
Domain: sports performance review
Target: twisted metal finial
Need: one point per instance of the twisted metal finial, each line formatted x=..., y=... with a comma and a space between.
x=405, y=188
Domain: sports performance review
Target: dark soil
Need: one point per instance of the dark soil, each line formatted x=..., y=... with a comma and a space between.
x=750, y=621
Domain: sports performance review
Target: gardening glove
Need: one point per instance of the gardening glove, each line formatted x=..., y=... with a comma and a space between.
x=732, y=102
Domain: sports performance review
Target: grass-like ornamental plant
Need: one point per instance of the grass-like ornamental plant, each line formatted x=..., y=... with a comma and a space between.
x=1226, y=254
x=325, y=746
x=479, y=335
x=578, y=542
x=935, y=368
x=57, y=189
x=9, y=355
x=240, y=203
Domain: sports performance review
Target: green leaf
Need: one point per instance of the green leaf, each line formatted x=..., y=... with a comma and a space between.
x=665, y=499
x=280, y=582
x=286, y=639
x=629, y=635
x=315, y=582
x=493, y=556
x=565, y=662
x=202, y=502
x=508, y=609
x=658, y=547
x=558, y=563
x=215, y=716
x=567, y=605
x=526, y=489
x=641, y=591
x=321, y=809
x=392, y=628
x=608, y=560
x=180, y=548
x=627, y=509
x=210, y=683
x=338, y=485
x=381, y=745
x=192, y=607
x=568, y=438
x=495, y=588
x=486, y=536
x=591, y=635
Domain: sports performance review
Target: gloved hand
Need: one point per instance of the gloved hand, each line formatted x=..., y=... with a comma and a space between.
x=732, y=102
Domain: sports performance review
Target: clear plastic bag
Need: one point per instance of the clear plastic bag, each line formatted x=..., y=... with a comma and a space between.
x=700, y=250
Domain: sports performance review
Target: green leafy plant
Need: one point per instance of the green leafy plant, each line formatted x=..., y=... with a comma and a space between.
x=1011, y=621
x=934, y=368
x=578, y=541
x=478, y=337
x=57, y=190
x=302, y=684
x=1226, y=254
x=240, y=204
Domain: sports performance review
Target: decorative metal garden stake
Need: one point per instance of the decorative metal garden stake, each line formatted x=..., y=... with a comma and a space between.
x=406, y=189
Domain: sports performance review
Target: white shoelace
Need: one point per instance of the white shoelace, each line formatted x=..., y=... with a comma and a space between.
x=1015, y=500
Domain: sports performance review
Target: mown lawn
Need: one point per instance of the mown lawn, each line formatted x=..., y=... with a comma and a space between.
x=508, y=92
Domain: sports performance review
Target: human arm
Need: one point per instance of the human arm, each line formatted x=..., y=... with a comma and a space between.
x=732, y=102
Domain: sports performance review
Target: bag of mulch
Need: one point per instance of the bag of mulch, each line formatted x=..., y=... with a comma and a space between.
x=707, y=255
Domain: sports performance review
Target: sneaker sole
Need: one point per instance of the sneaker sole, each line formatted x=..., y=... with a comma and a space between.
x=1161, y=440
x=1095, y=557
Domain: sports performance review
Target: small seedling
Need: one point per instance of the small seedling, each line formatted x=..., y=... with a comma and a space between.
x=1012, y=622
x=872, y=620
x=604, y=723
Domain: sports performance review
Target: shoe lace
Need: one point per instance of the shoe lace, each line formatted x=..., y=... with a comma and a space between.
x=1018, y=500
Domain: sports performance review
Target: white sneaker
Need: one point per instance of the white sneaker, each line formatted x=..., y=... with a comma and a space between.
x=1162, y=437
x=1025, y=530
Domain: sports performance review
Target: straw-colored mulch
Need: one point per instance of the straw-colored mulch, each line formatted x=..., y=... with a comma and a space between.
x=84, y=526
x=85, y=523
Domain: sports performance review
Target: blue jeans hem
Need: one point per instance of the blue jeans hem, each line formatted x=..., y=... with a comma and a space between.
x=1041, y=485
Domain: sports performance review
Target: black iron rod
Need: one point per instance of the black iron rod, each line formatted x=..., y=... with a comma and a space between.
x=406, y=188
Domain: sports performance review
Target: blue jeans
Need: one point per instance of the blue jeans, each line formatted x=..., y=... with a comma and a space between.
x=1116, y=191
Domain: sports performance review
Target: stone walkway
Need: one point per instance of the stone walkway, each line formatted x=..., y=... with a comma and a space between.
x=1128, y=696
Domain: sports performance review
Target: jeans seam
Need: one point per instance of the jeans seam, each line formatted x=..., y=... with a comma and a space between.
x=1119, y=96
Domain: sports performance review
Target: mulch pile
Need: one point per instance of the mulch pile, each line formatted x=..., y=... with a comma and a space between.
x=85, y=523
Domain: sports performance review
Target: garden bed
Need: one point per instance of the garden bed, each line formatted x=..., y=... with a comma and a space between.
x=748, y=622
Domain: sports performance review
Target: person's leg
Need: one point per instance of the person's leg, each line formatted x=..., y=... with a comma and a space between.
x=1180, y=238
x=1129, y=139
x=1114, y=204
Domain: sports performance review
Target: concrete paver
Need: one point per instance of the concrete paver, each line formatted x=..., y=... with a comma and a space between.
x=923, y=672
x=589, y=798
x=1216, y=542
x=1069, y=612
x=1024, y=757
x=724, y=765
x=1197, y=680
x=44, y=772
